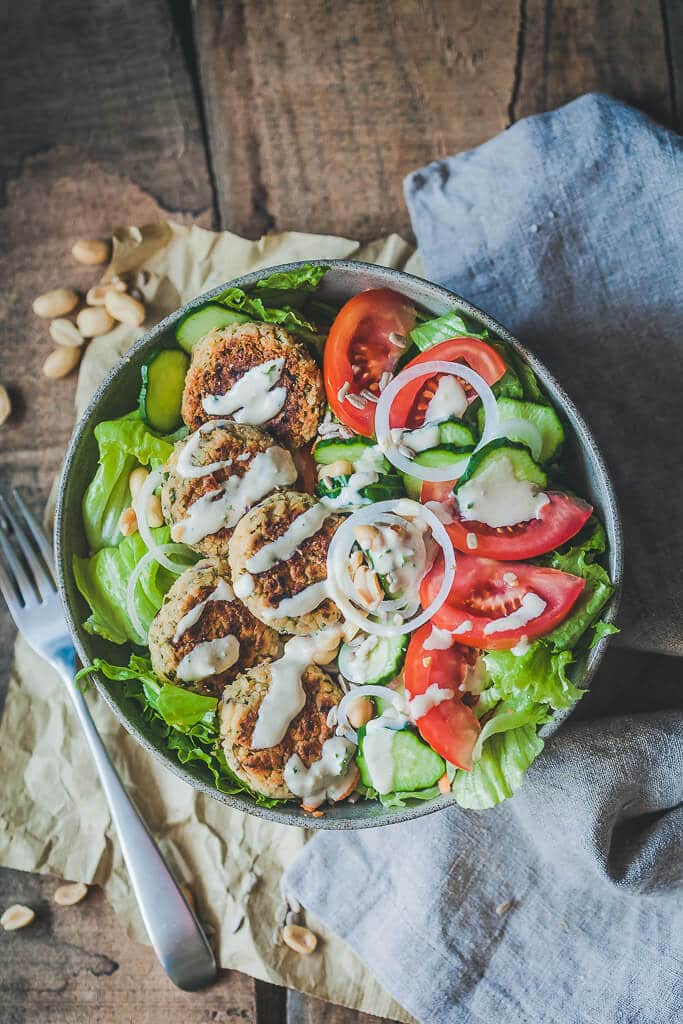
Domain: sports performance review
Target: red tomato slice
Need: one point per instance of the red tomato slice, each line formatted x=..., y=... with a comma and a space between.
x=411, y=403
x=559, y=520
x=451, y=727
x=481, y=593
x=358, y=351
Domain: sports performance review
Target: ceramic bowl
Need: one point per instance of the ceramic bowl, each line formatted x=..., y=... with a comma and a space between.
x=118, y=395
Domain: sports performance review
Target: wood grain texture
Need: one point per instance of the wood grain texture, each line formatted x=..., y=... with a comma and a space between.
x=303, y=1009
x=317, y=109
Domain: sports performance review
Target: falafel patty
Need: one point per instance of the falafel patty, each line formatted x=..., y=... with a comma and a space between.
x=288, y=394
x=263, y=770
x=216, y=474
x=277, y=551
x=202, y=626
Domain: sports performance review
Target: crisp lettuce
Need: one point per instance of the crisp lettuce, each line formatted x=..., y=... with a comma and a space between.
x=280, y=298
x=500, y=770
x=185, y=722
x=103, y=579
x=443, y=328
x=124, y=444
x=539, y=675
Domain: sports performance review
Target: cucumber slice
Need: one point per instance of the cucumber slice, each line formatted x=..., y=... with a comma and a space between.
x=523, y=465
x=386, y=488
x=416, y=765
x=444, y=455
x=375, y=661
x=542, y=417
x=196, y=325
x=161, y=394
x=348, y=448
x=456, y=433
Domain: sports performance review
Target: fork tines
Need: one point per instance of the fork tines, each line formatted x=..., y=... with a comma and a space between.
x=26, y=560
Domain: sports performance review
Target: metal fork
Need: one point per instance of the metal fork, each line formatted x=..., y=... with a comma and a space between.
x=27, y=582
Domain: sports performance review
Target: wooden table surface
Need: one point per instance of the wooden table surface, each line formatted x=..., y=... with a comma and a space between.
x=252, y=115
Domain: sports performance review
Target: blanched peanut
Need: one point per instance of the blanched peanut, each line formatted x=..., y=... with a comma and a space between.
x=5, y=404
x=128, y=522
x=94, y=321
x=57, y=302
x=61, y=362
x=367, y=536
x=301, y=940
x=17, y=916
x=136, y=480
x=70, y=895
x=90, y=251
x=64, y=332
x=125, y=308
x=342, y=467
x=97, y=294
x=367, y=586
x=359, y=712
x=155, y=516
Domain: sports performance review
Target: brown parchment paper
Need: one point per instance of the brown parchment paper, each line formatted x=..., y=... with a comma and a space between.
x=53, y=817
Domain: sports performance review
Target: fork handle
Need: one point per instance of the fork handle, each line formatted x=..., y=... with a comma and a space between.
x=175, y=933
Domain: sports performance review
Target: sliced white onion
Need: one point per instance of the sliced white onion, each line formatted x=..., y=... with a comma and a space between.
x=391, y=604
x=338, y=565
x=390, y=448
x=344, y=727
x=155, y=554
x=524, y=431
x=140, y=506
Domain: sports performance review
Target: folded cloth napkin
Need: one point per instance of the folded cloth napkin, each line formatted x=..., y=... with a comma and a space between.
x=566, y=903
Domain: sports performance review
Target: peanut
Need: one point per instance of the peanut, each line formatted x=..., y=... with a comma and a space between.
x=301, y=940
x=17, y=916
x=136, y=480
x=94, y=321
x=155, y=517
x=97, y=294
x=61, y=362
x=5, y=404
x=360, y=712
x=367, y=587
x=69, y=895
x=64, y=332
x=367, y=536
x=90, y=251
x=342, y=467
x=57, y=302
x=128, y=522
x=125, y=308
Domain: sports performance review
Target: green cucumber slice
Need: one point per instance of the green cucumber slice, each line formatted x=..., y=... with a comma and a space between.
x=444, y=455
x=161, y=394
x=416, y=765
x=348, y=448
x=542, y=417
x=375, y=661
x=456, y=433
x=196, y=325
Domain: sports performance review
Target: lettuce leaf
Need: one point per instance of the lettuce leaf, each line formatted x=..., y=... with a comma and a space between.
x=399, y=799
x=185, y=722
x=540, y=675
x=103, y=578
x=442, y=328
x=500, y=770
x=280, y=298
x=124, y=444
x=602, y=629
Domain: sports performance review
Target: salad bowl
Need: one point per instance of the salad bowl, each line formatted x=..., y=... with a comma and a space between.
x=116, y=395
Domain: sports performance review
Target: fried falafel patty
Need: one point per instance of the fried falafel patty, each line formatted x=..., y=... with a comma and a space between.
x=284, y=392
x=279, y=550
x=216, y=474
x=263, y=770
x=202, y=627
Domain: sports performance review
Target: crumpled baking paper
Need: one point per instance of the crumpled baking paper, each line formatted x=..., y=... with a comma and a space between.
x=53, y=817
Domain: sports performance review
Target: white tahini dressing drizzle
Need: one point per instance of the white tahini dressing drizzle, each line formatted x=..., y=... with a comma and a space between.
x=439, y=640
x=253, y=398
x=464, y=627
x=434, y=695
x=378, y=756
x=286, y=545
x=244, y=585
x=299, y=604
x=286, y=695
x=449, y=400
x=531, y=607
x=521, y=647
x=496, y=497
x=326, y=779
x=365, y=472
x=209, y=659
x=223, y=592
x=226, y=505
x=421, y=439
x=185, y=463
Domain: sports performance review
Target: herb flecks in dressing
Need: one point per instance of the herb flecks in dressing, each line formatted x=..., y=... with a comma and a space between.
x=209, y=659
x=287, y=544
x=253, y=399
x=326, y=779
x=498, y=498
x=223, y=592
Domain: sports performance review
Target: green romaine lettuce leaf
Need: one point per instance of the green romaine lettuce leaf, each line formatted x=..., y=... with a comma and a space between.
x=103, y=578
x=279, y=299
x=510, y=715
x=539, y=676
x=441, y=328
x=500, y=770
x=124, y=444
x=399, y=799
x=602, y=629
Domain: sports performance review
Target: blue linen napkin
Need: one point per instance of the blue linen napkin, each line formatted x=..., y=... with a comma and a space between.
x=566, y=903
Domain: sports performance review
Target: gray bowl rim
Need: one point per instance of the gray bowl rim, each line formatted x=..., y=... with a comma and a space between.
x=384, y=277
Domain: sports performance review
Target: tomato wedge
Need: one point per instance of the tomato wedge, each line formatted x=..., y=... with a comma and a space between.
x=411, y=403
x=358, y=352
x=485, y=591
x=451, y=728
x=558, y=521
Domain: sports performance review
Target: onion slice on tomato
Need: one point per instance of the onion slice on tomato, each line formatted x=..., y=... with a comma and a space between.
x=341, y=585
x=432, y=474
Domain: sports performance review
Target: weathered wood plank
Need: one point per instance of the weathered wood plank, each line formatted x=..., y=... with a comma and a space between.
x=569, y=47
x=303, y=1009
x=316, y=110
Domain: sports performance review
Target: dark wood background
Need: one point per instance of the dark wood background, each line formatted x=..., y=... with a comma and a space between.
x=252, y=115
